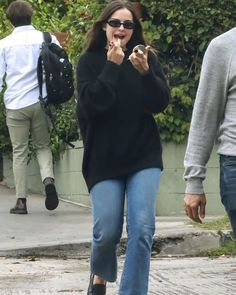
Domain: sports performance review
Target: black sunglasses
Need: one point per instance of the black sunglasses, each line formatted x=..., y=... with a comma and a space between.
x=116, y=23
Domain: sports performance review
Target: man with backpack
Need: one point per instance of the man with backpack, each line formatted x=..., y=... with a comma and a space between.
x=19, y=53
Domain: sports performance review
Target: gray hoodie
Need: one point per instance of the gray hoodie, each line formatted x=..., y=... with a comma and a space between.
x=214, y=113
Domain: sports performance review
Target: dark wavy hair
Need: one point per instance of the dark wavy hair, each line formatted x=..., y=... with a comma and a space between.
x=97, y=36
x=19, y=13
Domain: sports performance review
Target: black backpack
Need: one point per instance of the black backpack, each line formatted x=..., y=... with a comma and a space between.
x=54, y=65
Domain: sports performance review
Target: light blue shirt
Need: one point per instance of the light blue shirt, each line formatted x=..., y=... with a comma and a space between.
x=19, y=54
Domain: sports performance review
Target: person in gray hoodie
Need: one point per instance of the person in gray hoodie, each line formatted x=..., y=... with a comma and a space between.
x=213, y=119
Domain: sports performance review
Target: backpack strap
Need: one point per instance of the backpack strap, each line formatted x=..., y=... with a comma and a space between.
x=47, y=37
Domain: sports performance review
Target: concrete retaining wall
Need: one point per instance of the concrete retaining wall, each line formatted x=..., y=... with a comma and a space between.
x=71, y=185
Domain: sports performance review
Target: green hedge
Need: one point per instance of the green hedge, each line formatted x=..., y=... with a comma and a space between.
x=180, y=30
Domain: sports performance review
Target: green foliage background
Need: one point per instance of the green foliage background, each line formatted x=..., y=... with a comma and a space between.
x=180, y=30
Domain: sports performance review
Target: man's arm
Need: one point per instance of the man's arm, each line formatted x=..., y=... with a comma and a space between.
x=2, y=68
x=207, y=115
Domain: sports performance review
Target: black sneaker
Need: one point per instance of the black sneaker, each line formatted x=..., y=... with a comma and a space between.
x=20, y=207
x=51, y=201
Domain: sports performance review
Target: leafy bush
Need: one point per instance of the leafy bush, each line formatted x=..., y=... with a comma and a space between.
x=5, y=143
x=181, y=31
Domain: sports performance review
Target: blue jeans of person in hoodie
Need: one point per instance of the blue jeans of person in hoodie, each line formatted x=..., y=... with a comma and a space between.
x=228, y=187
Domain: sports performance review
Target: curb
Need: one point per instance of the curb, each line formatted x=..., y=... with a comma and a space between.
x=176, y=245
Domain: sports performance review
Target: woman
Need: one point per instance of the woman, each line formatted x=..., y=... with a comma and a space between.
x=118, y=90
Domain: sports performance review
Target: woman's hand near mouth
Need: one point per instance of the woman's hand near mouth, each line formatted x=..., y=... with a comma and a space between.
x=115, y=52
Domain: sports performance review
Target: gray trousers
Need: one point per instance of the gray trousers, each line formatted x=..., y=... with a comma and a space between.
x=21, y=123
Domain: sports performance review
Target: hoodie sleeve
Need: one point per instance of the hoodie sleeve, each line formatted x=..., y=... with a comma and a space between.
x=156, y=90
x=96, y=84
x=207, y=114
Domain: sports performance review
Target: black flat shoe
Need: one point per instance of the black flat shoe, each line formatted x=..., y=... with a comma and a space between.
x=96, y=289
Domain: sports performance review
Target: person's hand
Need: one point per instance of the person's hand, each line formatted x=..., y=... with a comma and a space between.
x=115, y=52
x=195, y=206
x=139, y=61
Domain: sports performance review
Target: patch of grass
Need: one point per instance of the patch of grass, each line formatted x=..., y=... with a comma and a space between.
x=218, y=224
x=229, y=249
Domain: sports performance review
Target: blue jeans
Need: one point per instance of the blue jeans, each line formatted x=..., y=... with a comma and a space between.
x=108, y=199
x=228, y=187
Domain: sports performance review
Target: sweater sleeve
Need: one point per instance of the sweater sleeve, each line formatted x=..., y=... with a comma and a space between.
x=156, y=90
x=207, y=114
x=96, y=85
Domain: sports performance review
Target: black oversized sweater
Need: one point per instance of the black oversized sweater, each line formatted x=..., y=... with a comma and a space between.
x=115, y=107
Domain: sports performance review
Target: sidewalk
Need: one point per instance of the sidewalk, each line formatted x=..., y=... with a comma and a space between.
x=67, y=231
x=168, y=276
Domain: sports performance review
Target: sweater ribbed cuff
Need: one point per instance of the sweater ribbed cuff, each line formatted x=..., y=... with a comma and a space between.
x=194, y=186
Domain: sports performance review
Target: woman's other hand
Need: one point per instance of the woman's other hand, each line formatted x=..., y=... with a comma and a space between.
x=139, y=60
